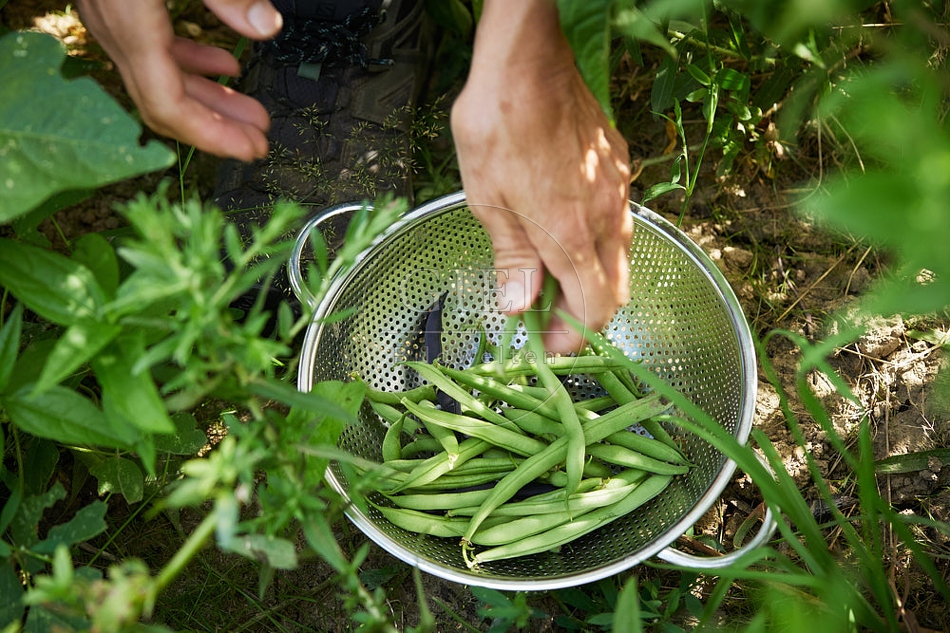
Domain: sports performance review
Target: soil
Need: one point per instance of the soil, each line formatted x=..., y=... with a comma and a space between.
x=788, y=275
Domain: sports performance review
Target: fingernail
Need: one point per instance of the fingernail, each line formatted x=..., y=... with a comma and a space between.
x=264, y=18
x=511, y=299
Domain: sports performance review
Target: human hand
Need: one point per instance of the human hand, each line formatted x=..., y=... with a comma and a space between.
x=167, y=76
x=543, y=170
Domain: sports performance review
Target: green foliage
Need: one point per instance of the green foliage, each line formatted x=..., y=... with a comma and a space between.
x=506, y=612
x=586, y=25
x=58, y=135
x=898, y=201
x=103, y=352
x=107, y=348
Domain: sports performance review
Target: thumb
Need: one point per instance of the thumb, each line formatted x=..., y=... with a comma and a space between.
x=256, y=19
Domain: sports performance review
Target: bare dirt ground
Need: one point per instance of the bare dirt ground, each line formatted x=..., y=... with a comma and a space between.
x=787, y=274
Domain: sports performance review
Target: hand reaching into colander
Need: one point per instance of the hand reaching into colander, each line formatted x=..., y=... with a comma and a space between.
x=543, y=169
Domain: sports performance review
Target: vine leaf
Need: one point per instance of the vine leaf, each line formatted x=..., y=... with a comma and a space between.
x=58, y=135
x=587, y=28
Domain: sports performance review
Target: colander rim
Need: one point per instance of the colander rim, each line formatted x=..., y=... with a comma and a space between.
x=703, y=262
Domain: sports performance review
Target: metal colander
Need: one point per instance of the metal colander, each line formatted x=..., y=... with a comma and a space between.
x=683, y=322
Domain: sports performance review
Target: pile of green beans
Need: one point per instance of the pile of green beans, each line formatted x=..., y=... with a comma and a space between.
x=522, y=468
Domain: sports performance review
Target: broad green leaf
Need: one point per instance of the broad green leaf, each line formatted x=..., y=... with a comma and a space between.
x=11, y=607
x=320, y=400
x=278, y=552
x=63, y=415
x=731, y=79
x=78, y=343
x=187, y=439
x=39, y=465
x=130, y=398
x=306, y=427
x=55, y=287
x=96, y=253
x=24, y=524
x=698, y=74
x=10, y=344
x=627, y=616
x=57, y=135
x=117, y=474
x=659, y=189
x=631, y=22
x=661, y=95
x=587, y=28
x=43, y=620
x=10, y=508
x=88, y=522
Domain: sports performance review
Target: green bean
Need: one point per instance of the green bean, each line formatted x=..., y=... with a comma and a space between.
x=417, y=394
x=536, y=465
x=387, y=412
x=533, y=423
x=467, y=506
x=517, y=528
x=574, y=457
x=451, y=481
x=437, y=376
x=646, y=445
x=603, y=348
x=392, y=445
x=533, y=517
x=621, y=393
x=534, y=391
x=437, y=465
x=621, y=456
x=507, y=336
x=499, y=436
x=440, y=500
x=595, y=404
x=423, y=522
x=424, y=444
x=592, y=468
x=497, y=465
x=500, y=391
x=447, y=439
x=571, y=530
x=559, y=365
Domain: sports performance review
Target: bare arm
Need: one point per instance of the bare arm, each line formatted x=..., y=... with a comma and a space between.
x=544, y=171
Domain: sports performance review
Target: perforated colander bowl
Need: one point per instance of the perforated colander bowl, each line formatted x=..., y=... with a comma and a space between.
x=683, y=322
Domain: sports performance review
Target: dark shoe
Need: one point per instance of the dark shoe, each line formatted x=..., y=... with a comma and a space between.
x=340, y=93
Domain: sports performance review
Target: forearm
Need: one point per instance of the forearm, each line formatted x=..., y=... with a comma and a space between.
x=520, y=39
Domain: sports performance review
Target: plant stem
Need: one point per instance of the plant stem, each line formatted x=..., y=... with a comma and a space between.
x=184, y=555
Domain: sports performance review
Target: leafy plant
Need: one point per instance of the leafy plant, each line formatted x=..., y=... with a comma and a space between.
x=105, y=350
x=48, y=122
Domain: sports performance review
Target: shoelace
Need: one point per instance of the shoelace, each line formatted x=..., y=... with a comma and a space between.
x=308, y=41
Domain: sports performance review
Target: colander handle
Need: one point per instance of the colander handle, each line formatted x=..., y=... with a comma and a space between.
x=710, y=563
x=295, y=264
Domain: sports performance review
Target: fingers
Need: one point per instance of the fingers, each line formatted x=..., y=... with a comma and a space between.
x=587, y=275
x=200, y=59
x=197, y=111
x=518, y=267
x=257, y=19
x=227, y=102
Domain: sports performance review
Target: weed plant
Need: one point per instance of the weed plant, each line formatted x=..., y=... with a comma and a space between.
x=119, y=355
